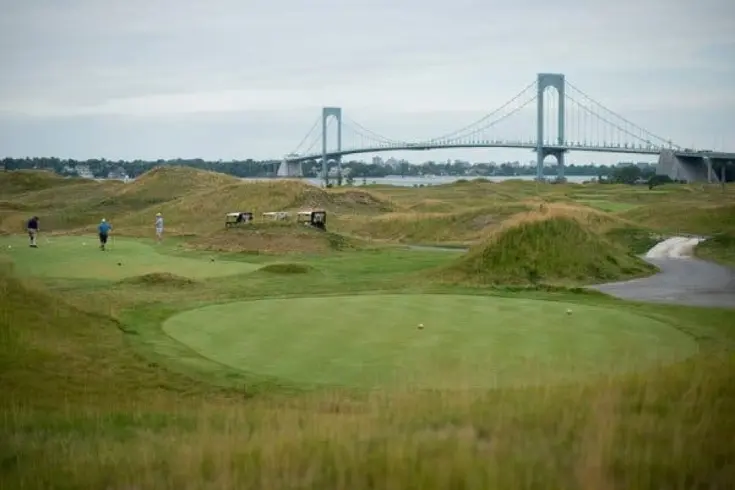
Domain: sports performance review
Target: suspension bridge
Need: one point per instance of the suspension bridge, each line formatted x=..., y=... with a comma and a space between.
x=566, y=119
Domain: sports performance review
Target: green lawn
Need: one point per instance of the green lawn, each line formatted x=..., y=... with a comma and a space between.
x=124, y=384
x=466, y=341
x=79, y=257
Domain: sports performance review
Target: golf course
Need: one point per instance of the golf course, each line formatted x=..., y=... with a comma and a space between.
x=471, y=335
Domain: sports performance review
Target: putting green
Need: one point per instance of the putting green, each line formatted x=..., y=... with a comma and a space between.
x=79, y=257
x=467, y=341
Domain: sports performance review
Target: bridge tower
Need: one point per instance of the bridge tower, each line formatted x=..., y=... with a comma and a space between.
x=328, y=112
x=556, y=81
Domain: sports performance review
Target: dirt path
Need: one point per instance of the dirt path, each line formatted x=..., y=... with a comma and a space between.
x=683, y=279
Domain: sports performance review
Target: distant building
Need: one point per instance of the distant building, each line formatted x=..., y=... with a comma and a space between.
x=118, y=174
x=84, y=172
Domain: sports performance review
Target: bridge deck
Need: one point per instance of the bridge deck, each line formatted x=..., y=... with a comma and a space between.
x=516, y=145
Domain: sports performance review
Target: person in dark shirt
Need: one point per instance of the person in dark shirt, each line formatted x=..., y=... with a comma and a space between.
x=32, y=227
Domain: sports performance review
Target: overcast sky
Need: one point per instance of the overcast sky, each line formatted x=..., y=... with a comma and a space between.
x=247, y=78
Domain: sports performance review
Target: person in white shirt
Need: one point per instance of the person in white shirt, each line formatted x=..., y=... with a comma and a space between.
x=159, y=227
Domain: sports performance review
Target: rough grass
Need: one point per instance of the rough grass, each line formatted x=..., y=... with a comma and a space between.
x=53, y=354
x=636, y=239
x=286, y=268
x=454, y=228
x=95, y=395
x=192, y=201
x=166, y=279
x=720, y=248
x=273, y=238
x=686, y=217
x=21, y=181
x=547, y=247
x=82, y=409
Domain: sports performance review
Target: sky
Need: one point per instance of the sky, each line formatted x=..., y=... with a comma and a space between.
x=237, y=79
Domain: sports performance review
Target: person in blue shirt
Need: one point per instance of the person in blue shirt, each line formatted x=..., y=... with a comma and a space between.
x=32, y=227
x=104, y=231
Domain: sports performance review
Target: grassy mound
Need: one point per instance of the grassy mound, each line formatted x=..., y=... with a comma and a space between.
x=635, y=239
x=192, y=201
x=51, y=351
x=20, y=181
x=286, y=268
x=159, y=279
x=459, y=228
x=202, y=212
x=546, y=249
x=273, y=238
x=341, y=200
x=685, y=217
x=720, y=248
x=60, y=208
x=163, y=184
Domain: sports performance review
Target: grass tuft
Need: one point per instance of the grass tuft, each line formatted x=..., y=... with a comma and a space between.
x=286, y=268
x=159, y=279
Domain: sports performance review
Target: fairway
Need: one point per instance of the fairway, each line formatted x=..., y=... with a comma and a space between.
x=79, y=257
x=467, y=341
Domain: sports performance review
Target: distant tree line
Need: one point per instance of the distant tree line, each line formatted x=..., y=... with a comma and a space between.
x=102, y=168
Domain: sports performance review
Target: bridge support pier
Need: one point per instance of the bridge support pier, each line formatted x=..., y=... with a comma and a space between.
x=328, y=112
x=558, y=155
x=290, y=169
x=694, y=168
x=544, y=81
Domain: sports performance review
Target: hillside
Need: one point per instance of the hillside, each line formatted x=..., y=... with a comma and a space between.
x=192, y=201
x=20, y=181
x=456, y=228
x=273, y=238
x=464, y=213
x=546, y=248
x=163, y=184
x=51, y=351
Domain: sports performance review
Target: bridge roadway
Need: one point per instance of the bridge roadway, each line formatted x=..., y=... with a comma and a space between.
x=516, y=145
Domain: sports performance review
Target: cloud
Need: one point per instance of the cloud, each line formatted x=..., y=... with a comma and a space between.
x=380, y=60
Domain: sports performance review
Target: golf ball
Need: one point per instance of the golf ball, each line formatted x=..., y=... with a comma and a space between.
x=569, y=311
x=421, y=325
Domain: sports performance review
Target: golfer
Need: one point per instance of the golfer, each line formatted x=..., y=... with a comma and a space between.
x=32, y=227
x=104, y=231
x=159, y=227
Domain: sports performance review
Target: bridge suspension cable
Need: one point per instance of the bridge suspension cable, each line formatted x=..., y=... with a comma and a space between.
x=495, y=121
x=313, y=127
x=612, y=124
x=366, y=138
x=378, y=137
x=484, y=118
x=318, y=137
x=666, y=142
